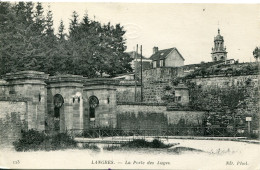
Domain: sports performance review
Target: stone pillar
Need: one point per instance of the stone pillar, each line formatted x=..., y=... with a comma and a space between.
x=30, y=84
x=70, y=87
x=182, y=94
x=105, y=112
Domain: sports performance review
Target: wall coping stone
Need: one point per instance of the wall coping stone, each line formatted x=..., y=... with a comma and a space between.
x=141, y=104
x=129, y=83
x=98, y=88
x=15, y=99
x=26, y=75
x=222, y=75
x=100, y=81
x=183, y=109
x=65, y=78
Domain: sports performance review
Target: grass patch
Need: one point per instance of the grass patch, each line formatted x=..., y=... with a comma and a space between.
x=90, y=146
x=141, y=143
x=179, y=150
x=34, y=140
x=112, y=147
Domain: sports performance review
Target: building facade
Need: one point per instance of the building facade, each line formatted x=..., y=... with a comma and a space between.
x=170, y=57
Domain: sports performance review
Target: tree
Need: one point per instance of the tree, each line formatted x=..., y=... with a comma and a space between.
x=7, y=26
x=49, y=23
x=28, y=42
x=61, y=34
x=74, y=24
x=39, y=25
x=256, y=53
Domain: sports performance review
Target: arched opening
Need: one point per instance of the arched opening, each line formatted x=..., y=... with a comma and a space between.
x=57, y=102
x=93, y=104
x=222, y=57
x=215, y=58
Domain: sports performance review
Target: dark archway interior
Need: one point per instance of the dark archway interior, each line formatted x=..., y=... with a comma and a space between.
x=93, y=103
x=58, y=102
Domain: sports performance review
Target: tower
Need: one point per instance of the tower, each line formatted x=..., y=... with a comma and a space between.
x=219, y=51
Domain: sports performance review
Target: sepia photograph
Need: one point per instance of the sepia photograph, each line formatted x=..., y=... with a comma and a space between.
x=129, y=85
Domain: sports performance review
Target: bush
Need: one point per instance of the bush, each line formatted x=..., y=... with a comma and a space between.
x=62, y=141
x=254, y=136
x=90, y=146
x=34, y=140
x=30, y=140
x=111, y=148
x=141, y=143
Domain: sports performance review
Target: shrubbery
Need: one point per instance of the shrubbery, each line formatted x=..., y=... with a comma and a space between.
x=90, y=146
x=224, y=70
x=141, y=143
x=62, y=141
x=30, y=140
x=34, y=140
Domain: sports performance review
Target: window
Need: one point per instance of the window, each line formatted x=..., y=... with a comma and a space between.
x=93, y=103
x=154, y=64
x=222, y=58
x=58, y=101
x=161, y=63
x=177, y=98
x=57, y=112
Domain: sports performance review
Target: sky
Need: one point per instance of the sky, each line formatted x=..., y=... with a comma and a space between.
x=188, y=27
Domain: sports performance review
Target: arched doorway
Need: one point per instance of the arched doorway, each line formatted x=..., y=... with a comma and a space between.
x=93, y=104
x=57, y=102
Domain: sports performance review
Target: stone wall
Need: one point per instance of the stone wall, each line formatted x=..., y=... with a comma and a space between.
x=13, y=118
x=190, y=118
x=236, y=96
x=135, y=108
x=138, y=115
x=127, y=91
x=155, y=82
x=11, y=126
x=30, y=95
x=9, y=106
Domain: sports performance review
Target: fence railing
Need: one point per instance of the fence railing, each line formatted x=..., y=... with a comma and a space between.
x=177, y=131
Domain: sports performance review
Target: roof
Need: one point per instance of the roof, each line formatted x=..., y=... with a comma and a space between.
x=133, y=55
x=162, y=54
x=181, y=86
x=218, y=37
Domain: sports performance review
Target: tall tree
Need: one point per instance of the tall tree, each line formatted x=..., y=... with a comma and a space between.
x=61, y=29
x=28, y=42
x=74, y=24
x=256, y=53
x=49, y=23
x=50, y=42
x=39, y=25
x=7, y=30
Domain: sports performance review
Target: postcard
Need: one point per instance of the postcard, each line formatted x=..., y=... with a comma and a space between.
x=121, y=85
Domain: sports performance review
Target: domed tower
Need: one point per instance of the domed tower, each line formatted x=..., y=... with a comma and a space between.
x=219, y=51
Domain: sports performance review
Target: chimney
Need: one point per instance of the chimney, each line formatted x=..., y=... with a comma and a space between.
x=155, y=49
